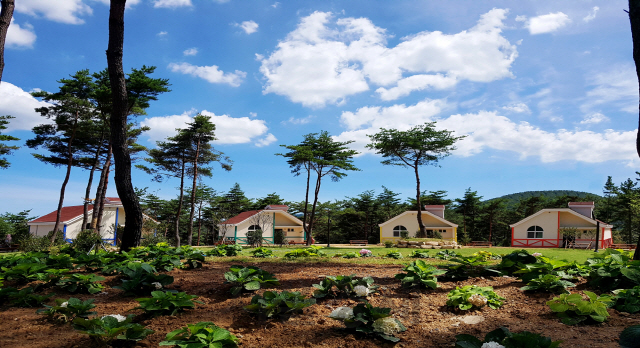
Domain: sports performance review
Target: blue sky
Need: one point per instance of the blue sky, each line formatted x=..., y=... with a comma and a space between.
x=545, y=91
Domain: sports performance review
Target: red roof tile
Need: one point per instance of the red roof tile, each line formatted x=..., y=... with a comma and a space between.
x=581, y=203
x=241, y=217
x=67, y=213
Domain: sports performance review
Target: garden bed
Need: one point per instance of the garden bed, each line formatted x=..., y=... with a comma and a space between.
x=429, y=322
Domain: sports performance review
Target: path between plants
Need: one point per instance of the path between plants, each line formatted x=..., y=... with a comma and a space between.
x=429, y=322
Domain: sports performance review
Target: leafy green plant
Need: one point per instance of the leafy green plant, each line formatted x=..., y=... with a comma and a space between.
x=446, y=254
x=24, y=272
x=67, y=310
x=630, y=337
x=216, y=252
x=613, y=269
x=419, y=254
x=25, y=297
x=85, y=240
x=548, y=283
x=231, y=249
x=202, y=334
x=367, y=319
x=486, y=255
x=392, y=254
x=628, y=300
x=248, y=278
x=350, y=255
x=467, y=267
x=278, y=305
x=167, y=302
x=109, y=328
x=81, y=283
x=419, y=273
x=344, y=286
x=473, y=296
x=573, y=309
x=543, y=266
x=504, y=338
x=310, y=251
x=166, y=262
x=193, y=259
x=575, y=269
x=262, y=252
x=92, y=262
x=515, y=260
x=141, y=278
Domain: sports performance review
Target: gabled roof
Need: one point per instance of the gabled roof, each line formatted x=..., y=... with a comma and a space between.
x=561, y=210
x=67, y=214
x=423, y=213
x=244, y=216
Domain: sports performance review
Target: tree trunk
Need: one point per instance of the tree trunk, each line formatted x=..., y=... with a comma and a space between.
x=87, y=194
x=193, y=194
x=177, y=234
x=5, y=20
x=103, y=194
x=420, y=223
x=313, y=208
x=98, y=207
x=634, y=18
x=199, y=222
x=305, y=225
x=133, y=227
x=66, y=178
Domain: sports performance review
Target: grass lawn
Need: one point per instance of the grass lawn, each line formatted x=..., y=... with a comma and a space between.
x=578, y=255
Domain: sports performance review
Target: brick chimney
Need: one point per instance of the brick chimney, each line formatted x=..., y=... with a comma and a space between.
x=584, y=208
x=437, y=210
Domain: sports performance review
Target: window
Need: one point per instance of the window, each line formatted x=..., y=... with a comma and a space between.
x=254, y=228
x=397, y=229
x=534, y=232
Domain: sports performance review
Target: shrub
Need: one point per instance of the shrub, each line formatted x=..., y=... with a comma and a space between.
x=150, y=240
x=393, y=254
x=446, y=254
x=34, y=243
x=543, y=266
x=254, y=238
x=110, y=328
x=344, y=286
x=166, y=262
x=628, y=300
x=202, y=334
x=231, y=249
x=278, y=305
x=166, y=302
x=419, y=254
x=473, y=296
x=573, y=309
x=67, y=310
x=279, y=237
x=389, y=244
x=248, y=278
x=86, y=239
x=404, y=234
x=311, y=251
x=613, y=269
x=367, y=319
x=262, y=252
x=419, y=273
x=503, y=338
x=548, y=283
x=515, y=260
x=141, y=278
x=81, y=283
x=193, y=259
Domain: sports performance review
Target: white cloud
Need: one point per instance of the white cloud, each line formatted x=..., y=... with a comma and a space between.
x=275, y=4
x=616, y=87
x=489, y=130
x=592, y=14
x=547, y=23
x=20, y=104
x=594, y=118
x=190, y=52
x=521, y=18
x=267, y=140
x=130, y=3
x=325, y=60
x=517, y=108
x=210, y=73
x=162, y=33
x=171, y=3
x=253, y=114
x=299, y=121
x=229, y=130
x=64, y=11
x=20, y=37
x=249, y=27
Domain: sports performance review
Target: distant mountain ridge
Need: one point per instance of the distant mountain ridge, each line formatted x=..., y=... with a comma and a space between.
x=513, y=198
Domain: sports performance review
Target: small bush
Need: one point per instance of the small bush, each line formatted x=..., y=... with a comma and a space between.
x=473, y=296
x=404, y=234
x=389, y=244
x=34, y=243
x=393, y=254
x=278, y=305
x=279, y=237
x=262, y=252
x=85, y=240
x=254, y=238
x=420, y=274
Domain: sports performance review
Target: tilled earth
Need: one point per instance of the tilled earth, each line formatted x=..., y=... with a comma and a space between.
x=430, y=323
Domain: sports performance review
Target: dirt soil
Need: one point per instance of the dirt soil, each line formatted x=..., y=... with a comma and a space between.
x=430, y=323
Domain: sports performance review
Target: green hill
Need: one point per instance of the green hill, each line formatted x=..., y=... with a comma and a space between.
x=514, y=198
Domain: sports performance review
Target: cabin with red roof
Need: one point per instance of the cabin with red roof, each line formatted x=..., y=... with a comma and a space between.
x=271, y=219
x=113, y=219
x=544, y=229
